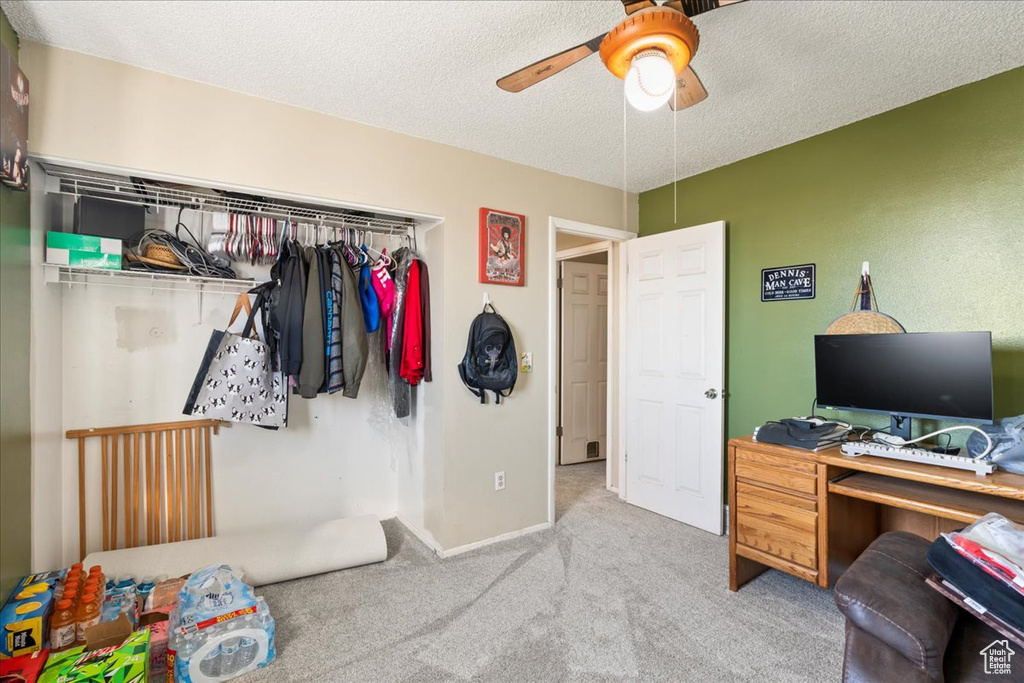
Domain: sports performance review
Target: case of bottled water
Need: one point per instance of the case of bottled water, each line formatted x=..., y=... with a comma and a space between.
x=219, y=629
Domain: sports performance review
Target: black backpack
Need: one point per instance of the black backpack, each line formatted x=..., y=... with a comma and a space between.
x=490, y=363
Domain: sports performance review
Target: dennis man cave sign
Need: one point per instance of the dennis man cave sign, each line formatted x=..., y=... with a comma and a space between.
x=787, y=283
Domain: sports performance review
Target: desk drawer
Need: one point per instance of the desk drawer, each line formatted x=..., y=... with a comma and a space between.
x=785, y=473
x=773, y=526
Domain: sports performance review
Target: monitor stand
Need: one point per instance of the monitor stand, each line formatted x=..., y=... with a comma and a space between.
x=899, y=425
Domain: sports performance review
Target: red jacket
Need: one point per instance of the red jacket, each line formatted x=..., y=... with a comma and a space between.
x=411, y=368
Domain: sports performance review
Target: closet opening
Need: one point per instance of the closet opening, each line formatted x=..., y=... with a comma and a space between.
x=123, y=346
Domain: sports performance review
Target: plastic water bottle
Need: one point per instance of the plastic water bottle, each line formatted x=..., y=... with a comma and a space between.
x=229, y=656
x=212, y=664
x=248, y=648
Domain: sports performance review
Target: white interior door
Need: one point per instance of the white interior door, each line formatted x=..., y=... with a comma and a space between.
x=584, y=362
x=675, y=303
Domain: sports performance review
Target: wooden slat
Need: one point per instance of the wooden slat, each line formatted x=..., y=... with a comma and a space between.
x=189, y=469
x=158, y=469
x=127, y=456
x=179, y=469
x=149, y=488
x=113, y=493
x=209, y=485
x=81, y=497
x=104, y=476
x=169, y=485
x=135, y=491
x=137, y=429
x=197, y=522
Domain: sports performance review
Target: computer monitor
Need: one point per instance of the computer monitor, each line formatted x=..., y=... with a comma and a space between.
x=942, y=375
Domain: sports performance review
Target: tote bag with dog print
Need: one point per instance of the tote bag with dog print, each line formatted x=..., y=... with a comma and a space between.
x=236, y=380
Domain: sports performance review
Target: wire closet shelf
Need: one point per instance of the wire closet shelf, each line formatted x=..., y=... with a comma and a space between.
x=146, y=192
x=152, y=281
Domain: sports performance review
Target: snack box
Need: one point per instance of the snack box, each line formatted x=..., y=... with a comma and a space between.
x=127, y=662
x=25, y=619
x=83, y=251
x=23, y=669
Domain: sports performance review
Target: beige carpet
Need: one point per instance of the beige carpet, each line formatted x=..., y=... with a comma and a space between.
x=612, y=593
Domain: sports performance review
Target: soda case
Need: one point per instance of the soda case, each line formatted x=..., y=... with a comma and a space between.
x=124, y=663
x=219, y=629
x=25, y=619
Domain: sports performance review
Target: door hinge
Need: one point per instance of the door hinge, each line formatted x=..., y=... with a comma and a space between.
x=558, y=430
x=559, y=282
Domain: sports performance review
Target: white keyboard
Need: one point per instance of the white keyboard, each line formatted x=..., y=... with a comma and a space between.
x=916, y=455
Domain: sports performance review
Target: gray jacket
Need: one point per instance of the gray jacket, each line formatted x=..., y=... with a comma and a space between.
x=354, y=347
x=311, y=372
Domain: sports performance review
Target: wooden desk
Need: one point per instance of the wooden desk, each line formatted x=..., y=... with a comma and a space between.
x=812, y=514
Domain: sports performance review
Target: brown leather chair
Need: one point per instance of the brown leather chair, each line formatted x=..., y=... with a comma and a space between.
x=900, y=629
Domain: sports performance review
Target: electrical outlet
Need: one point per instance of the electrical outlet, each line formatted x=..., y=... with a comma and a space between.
x=499, y=481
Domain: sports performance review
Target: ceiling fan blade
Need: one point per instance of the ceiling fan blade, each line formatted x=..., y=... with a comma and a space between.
x=689, y=90
x=633, y=5
x=538, y=71
x=692, y=8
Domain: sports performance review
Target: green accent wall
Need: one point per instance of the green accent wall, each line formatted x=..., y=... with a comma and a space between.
x=931, y=194
x=15, y=425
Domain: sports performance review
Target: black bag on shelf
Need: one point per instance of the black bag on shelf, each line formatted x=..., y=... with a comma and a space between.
x=988, y=591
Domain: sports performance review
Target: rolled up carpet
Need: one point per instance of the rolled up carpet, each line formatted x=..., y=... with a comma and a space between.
x=265, y=556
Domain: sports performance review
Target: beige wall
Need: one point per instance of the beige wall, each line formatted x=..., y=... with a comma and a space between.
x=103, y=112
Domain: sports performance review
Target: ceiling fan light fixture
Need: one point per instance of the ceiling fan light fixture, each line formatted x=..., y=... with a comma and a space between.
x=650, y=81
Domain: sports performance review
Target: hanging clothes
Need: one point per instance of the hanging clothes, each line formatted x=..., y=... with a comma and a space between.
x=355, y=347
x=311, y=371
x=335, y=375
x=368, y=298
x=327, y=299
x=401, y=395
x=384, y=285
x=425, y=316
x=410, y=366
x=287, y=302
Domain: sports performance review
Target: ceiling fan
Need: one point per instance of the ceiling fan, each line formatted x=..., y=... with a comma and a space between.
x=650, y=50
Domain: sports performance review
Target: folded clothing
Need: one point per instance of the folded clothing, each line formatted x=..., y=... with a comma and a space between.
x=996, y=545
x=991, y=593
x=790, y=433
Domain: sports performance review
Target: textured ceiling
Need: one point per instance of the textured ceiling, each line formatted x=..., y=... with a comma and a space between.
x=776, y=72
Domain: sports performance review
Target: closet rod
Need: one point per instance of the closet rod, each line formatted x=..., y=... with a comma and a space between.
x=140, y=191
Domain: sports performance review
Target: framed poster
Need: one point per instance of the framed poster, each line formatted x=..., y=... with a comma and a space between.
x=14, y=123
x=502, y=238
x=788, y=283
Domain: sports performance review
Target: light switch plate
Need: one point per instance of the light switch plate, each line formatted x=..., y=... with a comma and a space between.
x=526, y=365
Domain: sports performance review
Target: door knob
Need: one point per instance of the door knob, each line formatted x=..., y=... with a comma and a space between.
x=711, y=393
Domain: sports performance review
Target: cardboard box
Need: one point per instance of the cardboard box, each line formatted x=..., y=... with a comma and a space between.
x=23, y=669
x=112, y=654
x=25, y=619
x=159, y=631
x=83, y=251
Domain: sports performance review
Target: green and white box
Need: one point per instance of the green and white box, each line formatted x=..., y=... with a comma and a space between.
x=83, y=251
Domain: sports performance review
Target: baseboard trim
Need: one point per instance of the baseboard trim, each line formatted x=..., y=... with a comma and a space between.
x=428, y=539
x=423, y=535
x=458, y=550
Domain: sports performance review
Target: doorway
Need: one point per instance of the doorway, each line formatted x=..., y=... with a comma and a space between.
x=582, y=359
x=570, y=240
x=665, y=397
